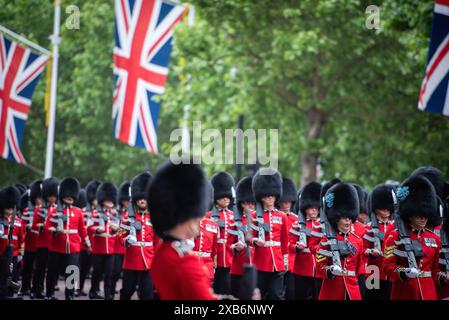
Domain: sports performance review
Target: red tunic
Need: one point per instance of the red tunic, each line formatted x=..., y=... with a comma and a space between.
x=139, y=256
x=178, y=274
x=367, y=244
x=17, y=238
x=423, y=287
x=119, y=246
x=30, y=235
x=336, y=288
x=224, y=253
x=291, y=219
x=206, y=244
x=305, y=261
x=240, y=258
x=270, y=257
x=39, y=221
x=74, y=232
x=101, y=232
x=360, y=230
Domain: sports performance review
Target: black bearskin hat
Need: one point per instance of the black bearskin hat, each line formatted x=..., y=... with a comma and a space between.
x=23, y=203
x=244, y=192
x=176, y=194
x=50, y=188
x=21, y=188
x=436, y=178
x=382, y=198
x=417, y=197
x=107, y=191
x=139, y=185
x=341, y=201
x=288, y=190
x=9, y=198
x=123, y=192
x=223, y=183
x=35, y=191
x=91, y=190
x=362, y=195
x=69, y=187
x=210, y=194
x=327, y=186
x=267, y=182
x=81, y=202
x=309, y=196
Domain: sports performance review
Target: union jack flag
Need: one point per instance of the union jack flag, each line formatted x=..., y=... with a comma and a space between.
x=143, y=43
x=434, y=95
x=20, y=69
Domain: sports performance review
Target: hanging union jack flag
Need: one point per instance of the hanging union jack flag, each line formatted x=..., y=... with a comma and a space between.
x=143, y=43
x=20, y=69
x=434, y=95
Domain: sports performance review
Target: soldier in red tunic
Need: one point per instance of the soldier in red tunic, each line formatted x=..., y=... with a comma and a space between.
x=121, y=216
x=206, y=244
x=245, y=204
x=270, y=234
x=340, y=251
x=178, y=197
x=305, y=235
x=139, y=241
x=32, y=202
x=103, y=231
x=67, y=229
x=223, y=184
x=49, y=197
x=415, y=278
x=382, y=209
x=286, y=205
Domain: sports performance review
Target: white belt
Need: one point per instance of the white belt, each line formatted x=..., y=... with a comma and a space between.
x=221, y=241
x=203, y=254
x=69, y=231
x=425, y=274
x=6, y=237
x=143, y=244
x=348, y=273
x=34, y=231
x=272, y=244
x=306, y=250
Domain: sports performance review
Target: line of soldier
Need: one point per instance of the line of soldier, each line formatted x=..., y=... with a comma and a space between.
x=325, y=242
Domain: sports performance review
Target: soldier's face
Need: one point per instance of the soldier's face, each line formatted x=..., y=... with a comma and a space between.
x=383, y=213
x=286, y=206
x=418, y=222
x=312, y=213
x=68, y=200
x=268, y=202
x=362, y=218
x=248, y=206
x=51, y=199
x=108, y=204
x=223, y=202
x=141, y=204
x=94, y=203
x=344, y=224
x=125, y=204
x=8, y=213
x=38, y=201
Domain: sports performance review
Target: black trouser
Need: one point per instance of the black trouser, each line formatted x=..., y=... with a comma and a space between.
x=289, y=286
x=140, y=279
x=85, y=264
x=235, y=285
x=4, y=274
x=27, y=271
x=40, y=268
x=270, y=284
x=117, y=269
x=222, y=281
x=306, y=288
x=383, y=293
x=102, y=268
x=57, y=264
x=362, y=285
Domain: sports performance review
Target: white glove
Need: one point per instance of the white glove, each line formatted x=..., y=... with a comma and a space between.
x=336, y=270
x=131, y=239
x=412, y=273
x=19, y=258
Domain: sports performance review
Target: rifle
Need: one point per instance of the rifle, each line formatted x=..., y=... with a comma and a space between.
x=134, y=225
x=249, y=279
x=30, y=209
x=262, y=227
x=378, y=236
x=412, y=248
x=444, y=252
x=303, y=231
x=240, y=228
x=61, y=217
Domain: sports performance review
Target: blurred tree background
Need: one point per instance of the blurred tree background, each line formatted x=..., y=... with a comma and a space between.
x=343, y=96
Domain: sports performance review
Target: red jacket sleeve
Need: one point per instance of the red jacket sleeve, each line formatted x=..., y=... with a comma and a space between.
x=284, y=235
x=390, y=260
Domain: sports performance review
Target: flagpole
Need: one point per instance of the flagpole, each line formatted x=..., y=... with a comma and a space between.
x=55, y=40
x=24, y=40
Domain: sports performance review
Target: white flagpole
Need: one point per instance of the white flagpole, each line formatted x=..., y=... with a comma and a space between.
x=55, y=40
x=24, y=40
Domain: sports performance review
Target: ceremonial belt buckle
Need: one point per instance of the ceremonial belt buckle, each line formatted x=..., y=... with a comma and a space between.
x=348, y=273
x=425, y=274
x=69, y=231
x=143, y=244
x=221, y=241
x=272, y=244
x=203, y=254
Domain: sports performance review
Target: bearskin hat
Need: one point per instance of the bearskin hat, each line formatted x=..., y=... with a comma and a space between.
x=223, y=183
x=309, y=196
x=23, y=203
x=139, y=185
x=123, y=192
x=288, y=190
x=341, y=201
x=436, y=178
x=35, y=191
x=91, y=190
x=327, y=186
x=176, y=194
x=107, y=191
x=382, y=198
x=50, y=188
x=81, y=202
x=244, y=192
x=417, y=197
x=267, y=182
x=362, y=195
x=21, y=188
x=69, y=187
x=210, y=194
x=9, y=198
